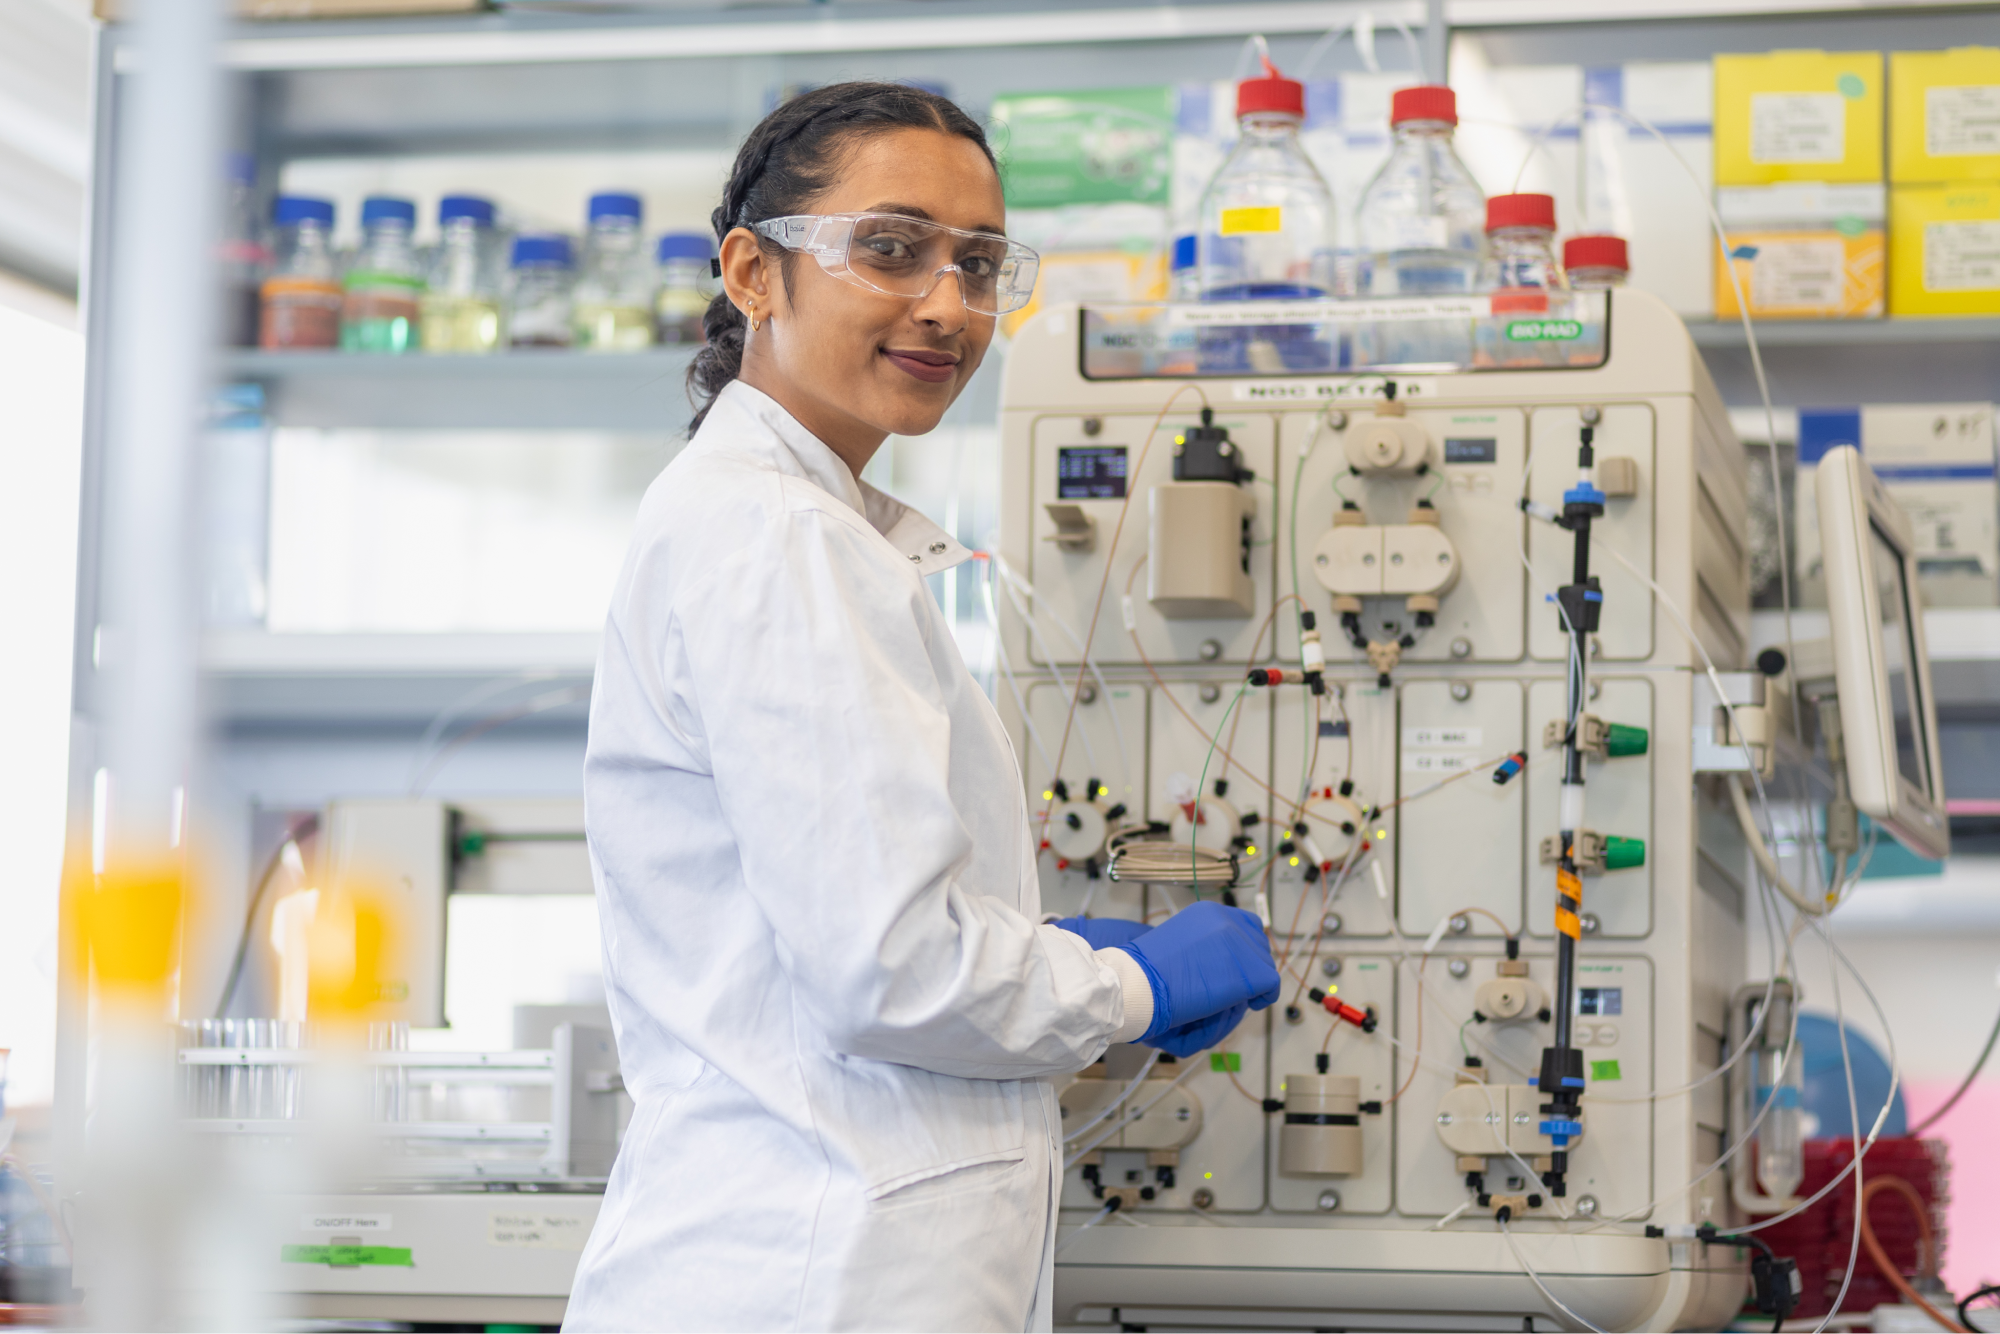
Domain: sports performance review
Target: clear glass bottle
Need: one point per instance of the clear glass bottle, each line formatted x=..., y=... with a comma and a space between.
x=1421, y=218
x=385, y=284
x=301, y=295
x=686, y=287
x=1267, y=225
x=241, y=255
x=461, y=302
x=1521, y=269
x=1596, y=263
x=613, y=307
x=543, y=273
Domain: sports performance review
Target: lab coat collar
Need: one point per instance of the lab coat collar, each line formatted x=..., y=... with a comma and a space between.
x=750, y=421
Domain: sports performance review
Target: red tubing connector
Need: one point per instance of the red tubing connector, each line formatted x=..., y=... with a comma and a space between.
x=1361, y=1019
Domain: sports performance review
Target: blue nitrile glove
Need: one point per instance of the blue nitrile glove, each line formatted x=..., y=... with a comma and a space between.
x=1200, y=1035
x=1102, y=933
x=1202, y=961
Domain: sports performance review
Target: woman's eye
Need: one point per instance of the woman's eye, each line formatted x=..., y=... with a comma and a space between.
x=885, y=246
x=980, y=266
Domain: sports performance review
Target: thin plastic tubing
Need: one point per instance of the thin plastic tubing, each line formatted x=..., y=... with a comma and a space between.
x=1536, y=1279
x=1006, y=666
x=1118, y=1101
x=1129, y=1117
x=1016, y=590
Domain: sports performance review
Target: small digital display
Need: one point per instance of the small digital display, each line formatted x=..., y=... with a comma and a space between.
x=1090, y=472
x=1899, y=660
x=1471, y=451
x=1600, y=1000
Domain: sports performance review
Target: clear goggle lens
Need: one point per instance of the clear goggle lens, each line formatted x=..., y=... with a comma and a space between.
x=908, y=257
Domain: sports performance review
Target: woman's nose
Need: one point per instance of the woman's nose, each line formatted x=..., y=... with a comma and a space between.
x=944, y=305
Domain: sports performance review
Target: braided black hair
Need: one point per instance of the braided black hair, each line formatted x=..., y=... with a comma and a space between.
x=788, y=160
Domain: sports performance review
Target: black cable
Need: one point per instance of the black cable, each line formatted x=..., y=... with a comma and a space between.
x=1990, y=1290
x=1952, y=1101
x=1775, y=1277
x=304, y=829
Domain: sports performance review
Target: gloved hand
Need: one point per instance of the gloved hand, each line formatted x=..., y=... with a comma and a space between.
x=1204, y=961
x=1102, y=933
x=1200, y=1035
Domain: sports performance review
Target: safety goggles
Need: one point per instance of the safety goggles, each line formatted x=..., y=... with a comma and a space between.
x=908, y=257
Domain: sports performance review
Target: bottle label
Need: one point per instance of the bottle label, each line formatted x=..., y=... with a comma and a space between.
x=1798, y=127
x=1428, y=233
x=1244, y=221
x=1962, y=122
x=1961, y=256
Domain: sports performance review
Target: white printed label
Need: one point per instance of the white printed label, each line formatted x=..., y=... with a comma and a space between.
x=1799, y=275
x=537, y=1230
x=346, y=1222
x=1443, y=738
x=1440, y=762
x=1962, y=122
x=1961, y=256
x=1798, y=127
x=1417, y=233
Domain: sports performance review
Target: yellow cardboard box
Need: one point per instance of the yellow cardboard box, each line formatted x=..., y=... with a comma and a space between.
x=1802, y=251
x=1944, y=115
x=1946, y=256
x=1798, y=116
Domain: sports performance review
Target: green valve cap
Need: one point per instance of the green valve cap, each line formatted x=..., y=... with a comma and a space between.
x=1622, y=854
x=1621, y=739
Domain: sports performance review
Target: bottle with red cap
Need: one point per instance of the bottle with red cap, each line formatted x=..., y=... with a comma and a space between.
x=1521, y=268
x=1267, y=223
x=1596, y=263
x=1421, y=218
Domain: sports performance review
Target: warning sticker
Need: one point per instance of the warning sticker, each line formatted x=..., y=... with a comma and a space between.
x=1800, y=275
x=1961, y=256
x=1963, y=121
x=1798, y=127
x=535, y=1229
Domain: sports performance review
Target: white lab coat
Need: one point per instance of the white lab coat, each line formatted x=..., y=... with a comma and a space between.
x=835, y=1006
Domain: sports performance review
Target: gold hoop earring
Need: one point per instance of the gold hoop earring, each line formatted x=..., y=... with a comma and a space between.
x=751, y=311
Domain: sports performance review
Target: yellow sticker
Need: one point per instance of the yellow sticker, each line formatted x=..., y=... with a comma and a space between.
x=1567, y=923
x=1568, y=884
x=1238, y=221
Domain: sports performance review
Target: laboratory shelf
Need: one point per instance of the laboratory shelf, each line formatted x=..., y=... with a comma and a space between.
x=1816, y=362
x=1845, y=333
x=636, y=391
x=256, y=679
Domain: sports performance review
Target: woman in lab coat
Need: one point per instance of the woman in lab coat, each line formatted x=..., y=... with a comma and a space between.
x=838, y=1008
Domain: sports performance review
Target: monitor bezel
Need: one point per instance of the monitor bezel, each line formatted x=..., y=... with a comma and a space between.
x=1852, y=501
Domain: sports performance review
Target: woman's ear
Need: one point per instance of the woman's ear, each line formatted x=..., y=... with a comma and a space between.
x=746, y=275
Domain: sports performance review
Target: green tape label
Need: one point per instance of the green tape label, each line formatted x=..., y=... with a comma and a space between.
x=1225, y=1062
x=1539, y=331
x=1604, y=1071
x=347, y=1257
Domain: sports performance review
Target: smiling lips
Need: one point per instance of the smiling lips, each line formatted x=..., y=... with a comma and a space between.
x=930, y=367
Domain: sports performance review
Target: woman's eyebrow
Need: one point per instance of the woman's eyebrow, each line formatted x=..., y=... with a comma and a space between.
x=924, y=215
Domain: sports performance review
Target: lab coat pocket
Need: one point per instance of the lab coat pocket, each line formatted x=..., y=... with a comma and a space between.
x=988, y=1171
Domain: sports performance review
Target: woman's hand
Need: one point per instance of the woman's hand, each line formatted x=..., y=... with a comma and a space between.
x=1207, y=964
